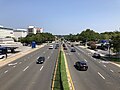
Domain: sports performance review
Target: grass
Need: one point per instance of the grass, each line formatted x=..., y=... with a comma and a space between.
x=61, y=82
x=63, y=73
x=57, y=82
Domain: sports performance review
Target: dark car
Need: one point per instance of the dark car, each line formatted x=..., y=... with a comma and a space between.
x=73, y=50
x=65, y=48
x=81, y=65
x=64, y=45
x=40, y=60
x=57, y=45
x=96, y=55
x=72, y=45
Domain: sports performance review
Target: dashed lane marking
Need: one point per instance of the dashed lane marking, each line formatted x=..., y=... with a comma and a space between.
x=104, y=65
x=101, y=75
x=26, y=68
x=41, y=68
x=111, y=70
x=6, y=71
x=85, y=60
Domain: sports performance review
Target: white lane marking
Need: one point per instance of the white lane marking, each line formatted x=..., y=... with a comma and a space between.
x=94, y=59
x=20, y=62
x=26, y=68
x=6, y=71
x=78, y=53
x=85, y=60
x=104, y=65
x=111, y=70
x=101, y=75
x=12, y=64
x=105, y=61
x=41, y=68
x=48, y=57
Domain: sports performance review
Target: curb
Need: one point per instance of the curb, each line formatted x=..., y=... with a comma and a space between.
x=54, y=75
x=110, y=61
x=71, y=85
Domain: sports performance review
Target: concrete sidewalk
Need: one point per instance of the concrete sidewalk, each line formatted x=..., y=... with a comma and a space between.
x=92, y=51
x=18, y=55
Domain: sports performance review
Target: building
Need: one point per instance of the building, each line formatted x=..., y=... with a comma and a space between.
x=6, y=32
x=34, y=30
x=18, y=33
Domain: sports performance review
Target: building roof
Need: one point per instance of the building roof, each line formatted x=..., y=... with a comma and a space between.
x=6, y=28
x=20, y=30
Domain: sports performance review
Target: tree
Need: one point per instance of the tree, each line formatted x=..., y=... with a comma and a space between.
x=89, y=35
x=116, y=43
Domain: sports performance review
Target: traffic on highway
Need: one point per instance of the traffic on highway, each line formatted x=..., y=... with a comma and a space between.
x=35, y=70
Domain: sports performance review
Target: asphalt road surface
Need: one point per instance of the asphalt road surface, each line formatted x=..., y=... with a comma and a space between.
x=101, y=75
x=25, y=74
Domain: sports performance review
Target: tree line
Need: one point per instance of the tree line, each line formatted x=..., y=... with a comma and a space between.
x=38, y=38
x=90, y=35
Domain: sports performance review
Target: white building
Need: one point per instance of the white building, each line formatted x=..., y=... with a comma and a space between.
x=6, y=32
x=18, y=33
x=34, y=30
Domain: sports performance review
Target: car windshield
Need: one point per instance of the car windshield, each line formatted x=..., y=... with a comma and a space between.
x=40, y=58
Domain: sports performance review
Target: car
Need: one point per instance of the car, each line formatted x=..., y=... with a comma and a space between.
x=73, y=50
x=40, y=60
x=51, y=47
x=64, y=45
x=65, y=48
x=96, y=55
x=72, y=45
x=81, y=65
x=57, y=45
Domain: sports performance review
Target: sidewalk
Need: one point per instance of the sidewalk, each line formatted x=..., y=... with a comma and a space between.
x=18, y=55
x=92, y=51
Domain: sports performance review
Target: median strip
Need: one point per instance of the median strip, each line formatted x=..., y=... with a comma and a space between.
x=62, y=79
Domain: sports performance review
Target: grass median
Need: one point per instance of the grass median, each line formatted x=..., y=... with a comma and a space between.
x=61, y=81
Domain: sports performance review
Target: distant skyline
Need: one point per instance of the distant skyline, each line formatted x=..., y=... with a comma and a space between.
x=61, y=16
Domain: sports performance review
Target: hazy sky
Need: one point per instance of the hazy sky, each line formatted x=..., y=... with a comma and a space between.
x=61, y=16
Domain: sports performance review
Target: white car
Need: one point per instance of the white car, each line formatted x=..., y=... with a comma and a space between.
x=51, y=47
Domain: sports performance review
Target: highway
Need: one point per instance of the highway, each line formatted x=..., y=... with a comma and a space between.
x=101, y=75
x=25, y=74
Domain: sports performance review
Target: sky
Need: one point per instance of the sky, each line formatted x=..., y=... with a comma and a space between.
x=61, y=16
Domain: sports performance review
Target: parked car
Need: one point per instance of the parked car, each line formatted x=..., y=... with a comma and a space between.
x=51, y=47
x=81, y=65
x=40, y=60
x=73, y=50
x=96, y=55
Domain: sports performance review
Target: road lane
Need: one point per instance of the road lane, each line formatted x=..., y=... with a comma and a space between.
x=91, y=79
x=28, y=74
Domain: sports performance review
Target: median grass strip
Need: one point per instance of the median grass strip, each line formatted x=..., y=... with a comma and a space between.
x=63, y=73
x=61, y=81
